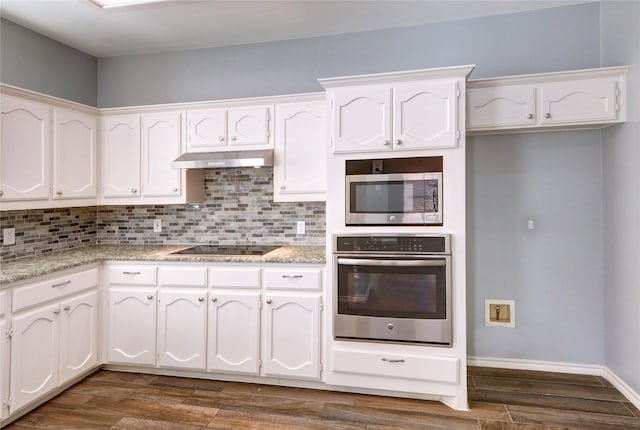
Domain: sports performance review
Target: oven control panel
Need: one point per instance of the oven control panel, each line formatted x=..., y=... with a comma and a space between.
x=414, y=244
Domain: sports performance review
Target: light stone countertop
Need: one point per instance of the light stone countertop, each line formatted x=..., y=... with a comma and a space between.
x=31, y=267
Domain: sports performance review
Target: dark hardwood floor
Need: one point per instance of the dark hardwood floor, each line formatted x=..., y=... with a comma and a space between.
x=500, y=400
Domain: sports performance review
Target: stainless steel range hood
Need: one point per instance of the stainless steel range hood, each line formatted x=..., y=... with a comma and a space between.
x=218, y=160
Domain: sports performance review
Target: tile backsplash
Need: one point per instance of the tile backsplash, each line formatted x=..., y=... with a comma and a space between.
x=238, y=208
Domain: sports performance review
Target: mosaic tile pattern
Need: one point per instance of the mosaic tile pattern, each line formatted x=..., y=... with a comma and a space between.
x=42, y=231
x=238, y=208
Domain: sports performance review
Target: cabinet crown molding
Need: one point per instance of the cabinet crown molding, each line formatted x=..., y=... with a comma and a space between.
x=394, y=77
x=35, y=96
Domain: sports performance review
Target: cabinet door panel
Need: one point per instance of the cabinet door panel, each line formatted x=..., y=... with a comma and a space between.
x=586, y=100
x=161, y=144
x=34, y=354
x=121, y=156
x=292, y=336
x=362, y=119
x=4, y=369
x=207, y=130
x=234, y=328
x=300, y=152
x=74, y=151
x=132, y=323
x=249, y=126
x=181, y=329
x=78, y=335
x=504, y=106
x=24, y=150
x=425, y=115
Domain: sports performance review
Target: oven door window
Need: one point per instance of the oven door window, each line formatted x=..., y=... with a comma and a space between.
x=392, y=288
x=389, y=197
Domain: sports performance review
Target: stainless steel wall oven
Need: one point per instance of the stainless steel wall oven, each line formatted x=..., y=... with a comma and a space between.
x=393, y=288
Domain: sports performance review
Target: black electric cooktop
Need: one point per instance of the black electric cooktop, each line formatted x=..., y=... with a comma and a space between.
x=227, y=250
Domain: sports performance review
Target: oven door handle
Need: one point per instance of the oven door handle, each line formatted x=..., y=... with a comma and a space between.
x=403, y=263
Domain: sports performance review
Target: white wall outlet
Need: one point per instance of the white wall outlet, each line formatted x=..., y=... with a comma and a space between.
x=9, y=236
x=157, y=225
x=300, y=227
x=500, y=312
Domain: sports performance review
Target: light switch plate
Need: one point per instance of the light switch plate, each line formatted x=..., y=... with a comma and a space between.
x=300, y=227
x=8, y=236
x=157, y=225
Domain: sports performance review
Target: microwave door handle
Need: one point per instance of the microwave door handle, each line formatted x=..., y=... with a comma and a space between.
x=402, y=263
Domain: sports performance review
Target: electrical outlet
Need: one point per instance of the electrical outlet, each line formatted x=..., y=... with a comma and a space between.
x=300, y=227
x=157, y=225
x=9, y=236
x=500, y=313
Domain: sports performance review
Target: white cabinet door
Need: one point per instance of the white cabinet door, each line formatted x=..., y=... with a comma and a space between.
x=291, y=336
x=182, y=321
x=4, y=359
x=234, y=331
x=300, y=167
x=121, y=156
x=578, y=101
x=132, y=325
x=78, y=335
x=74, y=154
x=34, y=354
x=361, y=119
x=501, y=106
x=425, y=115
x=161, y=144
x=24, y=150
x=207, y=130
x=249, y=126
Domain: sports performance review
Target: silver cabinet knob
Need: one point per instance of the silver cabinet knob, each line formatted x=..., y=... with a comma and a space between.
x=175, y=189
x=149, y=297
x=134, y=190
x=66, y=308
x=547, y=115
x=282, y=187
x=398, y=142
x=233, y=138
x=221, y=138
x=1, y=193
x=201, y=299
x=57, y=311
x=268, y=301
x=390, y=326
x=214, y=299
x=530, y=116
x=59, y=192
x=387, y=143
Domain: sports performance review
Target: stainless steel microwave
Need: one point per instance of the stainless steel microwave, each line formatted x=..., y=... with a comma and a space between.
x=396, y=198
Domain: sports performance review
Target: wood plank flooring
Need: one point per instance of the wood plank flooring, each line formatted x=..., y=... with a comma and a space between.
x=500, y=400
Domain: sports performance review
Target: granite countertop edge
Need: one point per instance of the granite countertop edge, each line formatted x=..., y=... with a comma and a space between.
x=31, y=267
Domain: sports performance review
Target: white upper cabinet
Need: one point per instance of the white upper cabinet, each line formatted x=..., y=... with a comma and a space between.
x=24, y=150
x=161, y=144
x=413, y=110
x=121, y=156
x=222, y=129
x=74, y=154
x=299, y=172
x=575, y=99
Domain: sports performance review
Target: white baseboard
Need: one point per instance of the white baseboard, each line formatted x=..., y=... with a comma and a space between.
x=554, y=366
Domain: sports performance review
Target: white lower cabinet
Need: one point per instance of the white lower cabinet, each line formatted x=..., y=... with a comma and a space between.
x=234, y=332
x=182, y=320
x=78, y=335
x=4, y=354
x=291, y=334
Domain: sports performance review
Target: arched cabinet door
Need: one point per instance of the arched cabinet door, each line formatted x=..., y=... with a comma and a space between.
x=161, y=144
x=121, y=156
x=24, y=150
x=132, y=325
x=78, y=335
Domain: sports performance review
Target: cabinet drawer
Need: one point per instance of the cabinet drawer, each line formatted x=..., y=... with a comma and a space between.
x=44, y=291
x=234, y=278
x=300, y=279
x=132, y=275
x=182, y=276
x=437, y=369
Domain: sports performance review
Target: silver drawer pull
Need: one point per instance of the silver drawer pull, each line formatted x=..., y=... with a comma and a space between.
x=393, y=360
x=292, y=276
x=61, y=284
x=131, y=273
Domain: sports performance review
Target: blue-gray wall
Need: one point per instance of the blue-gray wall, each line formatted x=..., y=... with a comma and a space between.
x=35, y=62
x=620, y=23
x=539, y=41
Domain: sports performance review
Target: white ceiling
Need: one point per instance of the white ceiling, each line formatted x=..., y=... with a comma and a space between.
x=185, y=24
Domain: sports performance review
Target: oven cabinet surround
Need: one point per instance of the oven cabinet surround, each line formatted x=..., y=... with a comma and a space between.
x=300, y=168
x=218, y=128
x=5, y=350
x=48, y=151
x=137, y=151
x=571, y=99
x=252, y=320
x=387, y=113
x=54, y=334
x=409, y=370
